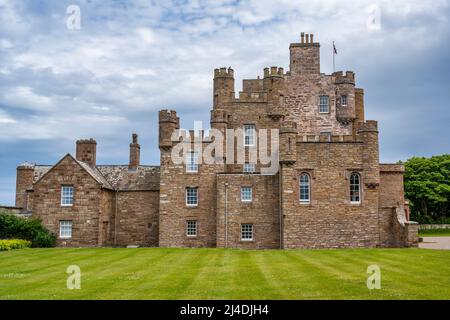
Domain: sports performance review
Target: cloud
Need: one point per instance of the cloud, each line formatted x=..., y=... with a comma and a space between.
x=131, y=58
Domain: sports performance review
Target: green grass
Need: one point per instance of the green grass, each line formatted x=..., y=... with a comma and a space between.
x=434, y=233
x=224, y=274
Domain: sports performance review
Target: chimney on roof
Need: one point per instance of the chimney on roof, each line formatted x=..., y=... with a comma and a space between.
x=135, y=153
x=87, y=151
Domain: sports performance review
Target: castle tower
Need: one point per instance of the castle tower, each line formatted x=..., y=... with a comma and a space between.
x=273, y=84
x=305, y=56
x=168, y=123
x=87, y=151
x=345, y=96
x=288, y=142
x=223, y=87
x=371, y=163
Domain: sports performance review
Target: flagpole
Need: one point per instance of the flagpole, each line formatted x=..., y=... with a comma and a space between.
x=334, y=63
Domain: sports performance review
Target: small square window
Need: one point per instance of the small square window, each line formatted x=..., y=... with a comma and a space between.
x=66, y=196
x=191, y=228
x=246, y=194
x=65, y=229
x=191, y=196
x=249, y=135
x=247, y=232
x=324, y=104
x=249, y=167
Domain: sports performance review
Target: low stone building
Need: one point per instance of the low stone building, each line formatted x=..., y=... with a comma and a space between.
x=329, y=190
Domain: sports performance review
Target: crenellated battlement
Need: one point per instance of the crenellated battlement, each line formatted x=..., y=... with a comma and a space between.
x=341, y=78
x=274, y=72
x=168, y=116
x=223, y=73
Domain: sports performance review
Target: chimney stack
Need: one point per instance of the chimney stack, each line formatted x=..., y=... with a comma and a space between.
x=87, y=151
x=135, y=153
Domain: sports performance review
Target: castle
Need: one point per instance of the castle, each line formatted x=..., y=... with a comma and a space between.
x=329, y=191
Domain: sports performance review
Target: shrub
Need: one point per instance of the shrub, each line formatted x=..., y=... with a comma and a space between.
x=6, y=245
x=13, y=227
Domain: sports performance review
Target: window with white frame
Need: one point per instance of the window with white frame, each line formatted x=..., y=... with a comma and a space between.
x=355, y=188
x=67, y=196
x=249, y=167
x=191, y=196
x=324, y=104
x=247, y=232
x=305, y=188
x=343, y=101
x=246, y=194
x=249, y=135
x=191, y=228
x=192, y=162
x=65, y=229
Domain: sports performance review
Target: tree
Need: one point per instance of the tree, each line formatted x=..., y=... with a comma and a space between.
x=427, y=187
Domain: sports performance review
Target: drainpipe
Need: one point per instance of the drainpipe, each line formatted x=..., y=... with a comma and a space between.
x=280, y=197
x=226, y=214
x=115, y=219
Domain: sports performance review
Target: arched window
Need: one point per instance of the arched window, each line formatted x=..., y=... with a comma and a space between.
x=355, y=188
x=305, y=188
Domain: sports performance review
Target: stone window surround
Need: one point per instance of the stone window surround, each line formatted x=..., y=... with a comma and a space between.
x=254, y=134
x=191, y=225
x=192, y=167
x=305, y=202
x=186, y=197
x=64, y=225
x=320, y=105
x=252, y=230
x=64, y=196
x=250, y=193
x=312, y=176
x=347, y=174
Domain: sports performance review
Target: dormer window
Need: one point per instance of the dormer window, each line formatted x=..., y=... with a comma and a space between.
x=343, y=101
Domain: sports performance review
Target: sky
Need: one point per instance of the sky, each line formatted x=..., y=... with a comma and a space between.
x=129, y=59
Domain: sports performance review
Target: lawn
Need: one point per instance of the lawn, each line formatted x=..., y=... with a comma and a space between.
x=224, y=274
x=434, y=233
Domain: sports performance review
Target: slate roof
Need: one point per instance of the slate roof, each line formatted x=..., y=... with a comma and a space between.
x=144, y=178
x=115, y=177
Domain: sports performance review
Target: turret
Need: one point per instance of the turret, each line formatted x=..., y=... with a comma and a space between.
x=305, y=56
x=273, y=84
x=24, y=182
x=345, y=96
x=368, y=133
x=168, y=123
x=223, y=87
x=288, y=142
x=87, y=151
x=359, y=110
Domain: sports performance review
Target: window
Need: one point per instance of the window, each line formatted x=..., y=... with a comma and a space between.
x=355, y=188
x=67, y=196
x=343, y=101
x=305, y=188
x=246, y=194
x=247, y=232
x=249, y=167
x=324, y=104
x=192, y=162
x=191, y=196
x=249, y=135
x=65, y=229
x=191, y=228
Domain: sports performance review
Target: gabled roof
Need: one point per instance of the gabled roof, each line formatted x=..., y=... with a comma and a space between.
x=41, y=171
x=114, y=177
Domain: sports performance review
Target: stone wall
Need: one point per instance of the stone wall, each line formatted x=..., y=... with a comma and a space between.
x=86, y=208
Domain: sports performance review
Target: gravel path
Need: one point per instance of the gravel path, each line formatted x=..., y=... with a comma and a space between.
x=435, y=243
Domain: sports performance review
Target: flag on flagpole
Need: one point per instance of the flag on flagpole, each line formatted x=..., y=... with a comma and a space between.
x=334, y=48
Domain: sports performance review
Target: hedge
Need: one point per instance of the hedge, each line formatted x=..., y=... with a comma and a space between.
x=13, y=227
x=6, y=245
